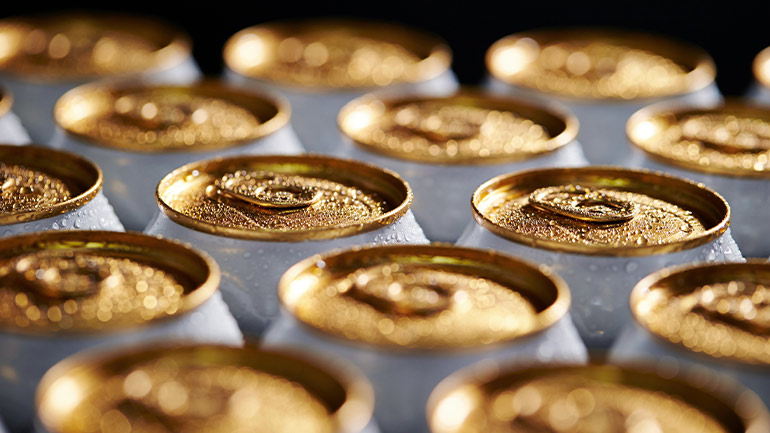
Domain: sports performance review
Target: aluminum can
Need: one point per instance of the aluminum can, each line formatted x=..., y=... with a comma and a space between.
x=603, y=76
x=322, y=64
x=490, y=397
x=62, y=292
x=726, y=147
x=258, y=215
x=46, y=189
x=138, y=133
x=11, y=131
x=408, y=315
x=602, y=229
x=447, y=145
x=703, y=316
x=203, y=388
x=759, y=91
x=47, y=55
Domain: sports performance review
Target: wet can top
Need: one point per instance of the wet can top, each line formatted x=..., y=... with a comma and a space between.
x=600, y=211
x=325, y=54
x=762, y=67
x=593, y=398
x=195, y=389
x=92, y=281
x=159, y=118
x=467, y=127
x=729, y=139
x=423, y=297
x=283, y=198
x=719, y=310
x=39, y=183
x=600, y=64
x=76, y=46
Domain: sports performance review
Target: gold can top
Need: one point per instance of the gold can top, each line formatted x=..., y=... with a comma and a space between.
x=195, y=389
x=283, y=198
x=37, y=183
x=593, y=398
x=423, y=297
x=722, y=311
x=600, y=64
x=730, y=139
x=762, y=67
x=468, y=127
x=336, y=54
x=88, y=281
x=600, y=211
x=85, y=46
x=159, y=118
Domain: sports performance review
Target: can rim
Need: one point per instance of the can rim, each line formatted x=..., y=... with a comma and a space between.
x=437, y=60
x=549, y=110
x=677, y=108
x=173, y=252
x=74, y=165
x=738, y=403
x=762, y=58
x=329, y=164
x=351, y=415
x=703, y=71
x=714, y=199
x=204, y=87
x=546, y=318
x=6, y=100
x=176, y=50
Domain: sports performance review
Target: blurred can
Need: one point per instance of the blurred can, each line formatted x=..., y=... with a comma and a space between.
x=726, y=147
x=258, y=215
x=713, y=316
x=490, y=397
x=62, y=292
x=446, y=146
x=46, y=55
x=603, y=76
x=408, y=315
x=138, y=133
x=46, y=189
x=615, y=226
x=759, y=91
x=202, y=388
x=322, y=64
x=11, y=131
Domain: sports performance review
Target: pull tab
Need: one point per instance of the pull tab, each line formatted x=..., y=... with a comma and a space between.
x=747, y=305
x=267, y=190
x=60, y=276
x=389, y=290
x=439, y=128
x=728, y=135
x=584, y=204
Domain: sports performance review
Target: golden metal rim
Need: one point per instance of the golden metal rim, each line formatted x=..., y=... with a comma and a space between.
x=26, y=154
x=548, y=317
x=730, y=105
x=550, y=110
x=223, y=90
x=6, y=100
x=703, y=71
x=192, y=300
x=352, y=415
x=629, y=251
x=345, y=165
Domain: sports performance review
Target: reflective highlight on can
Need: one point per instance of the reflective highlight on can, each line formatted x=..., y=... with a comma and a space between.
x=759, y=91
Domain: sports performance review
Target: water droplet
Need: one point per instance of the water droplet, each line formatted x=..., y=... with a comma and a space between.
x=631, y=266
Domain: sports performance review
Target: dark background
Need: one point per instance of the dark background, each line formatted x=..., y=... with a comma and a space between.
x=732, y=32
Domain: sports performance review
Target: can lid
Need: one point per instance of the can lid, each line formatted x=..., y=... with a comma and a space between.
x=601, y=211
x=202, y=388
x=467, y=127
x=600, y=64
x=6, y=100
x=423, y=297
x=88, y=281
x=154, y=118
x=731, y=139
x=719, y=310
x=335, y=53
x=762, y=67
x=592, y=398
x=58, y=47
x=283, y=198
x=39, y=183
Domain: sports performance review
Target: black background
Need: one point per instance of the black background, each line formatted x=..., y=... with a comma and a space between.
x=732, y=32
